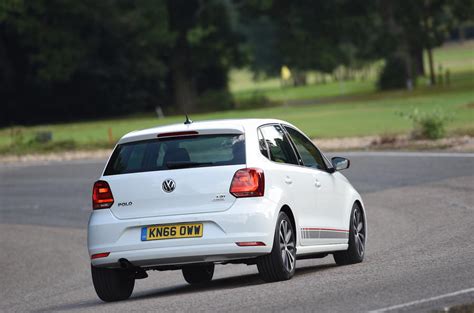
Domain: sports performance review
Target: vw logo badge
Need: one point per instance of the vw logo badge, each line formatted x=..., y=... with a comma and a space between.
x=168, y=185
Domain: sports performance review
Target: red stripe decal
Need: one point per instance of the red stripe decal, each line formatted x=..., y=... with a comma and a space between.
x=327, y=229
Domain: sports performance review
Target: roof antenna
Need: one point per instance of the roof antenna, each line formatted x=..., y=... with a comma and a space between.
x=187, y=121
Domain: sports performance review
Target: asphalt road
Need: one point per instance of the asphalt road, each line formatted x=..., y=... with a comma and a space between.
x=420, y=253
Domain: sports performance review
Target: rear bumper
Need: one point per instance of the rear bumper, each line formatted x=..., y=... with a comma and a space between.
x=249, y=219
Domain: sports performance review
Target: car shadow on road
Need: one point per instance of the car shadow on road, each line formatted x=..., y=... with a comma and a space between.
x=233, y=282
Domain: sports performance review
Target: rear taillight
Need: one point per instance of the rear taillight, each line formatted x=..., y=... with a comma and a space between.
x=102, y=197
x=248, y=182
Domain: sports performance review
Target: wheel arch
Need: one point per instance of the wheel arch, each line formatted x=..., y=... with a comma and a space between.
x=361, y=205
x=286, y=208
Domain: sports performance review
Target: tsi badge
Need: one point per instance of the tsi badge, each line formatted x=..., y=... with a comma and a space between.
x=125, y=203
x=219, y=197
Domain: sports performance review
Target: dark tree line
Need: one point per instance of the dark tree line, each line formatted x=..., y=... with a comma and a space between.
x=67, y=60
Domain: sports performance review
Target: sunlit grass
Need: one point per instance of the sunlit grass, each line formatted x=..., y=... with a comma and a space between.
x=365, y=115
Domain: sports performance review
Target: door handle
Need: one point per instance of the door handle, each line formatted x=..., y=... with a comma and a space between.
x=288, y=180
x=317, y=183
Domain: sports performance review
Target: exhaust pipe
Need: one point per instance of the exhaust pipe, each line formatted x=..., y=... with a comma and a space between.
x=136, y=271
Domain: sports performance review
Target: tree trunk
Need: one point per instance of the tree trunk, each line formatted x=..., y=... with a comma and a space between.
x=429, y=48
x=430, y=61
x=410, y=79
x=417, y=57
x=462, y=34
x=184, y=90
x=184, y=87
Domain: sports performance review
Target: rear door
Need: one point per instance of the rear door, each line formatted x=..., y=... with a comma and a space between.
x=322, y=222
x=174, y=175
x=287, y=174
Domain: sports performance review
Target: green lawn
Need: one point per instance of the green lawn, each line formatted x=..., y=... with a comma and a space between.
x=362, y=111
x=333, y=89
x=455, y=57
x=371, y=115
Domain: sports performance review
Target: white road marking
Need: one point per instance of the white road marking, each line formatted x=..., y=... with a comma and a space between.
x=406, y=154
x=417, y=302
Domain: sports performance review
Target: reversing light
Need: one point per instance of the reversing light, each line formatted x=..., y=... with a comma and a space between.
x=102, y=197
x=248, y=182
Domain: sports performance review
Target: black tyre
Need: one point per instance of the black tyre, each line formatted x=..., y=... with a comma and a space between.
x=357, y=237
x=198, y=274
x=112, y=284
x=281, y=262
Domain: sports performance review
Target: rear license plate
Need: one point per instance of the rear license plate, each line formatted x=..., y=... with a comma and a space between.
x=170, y=231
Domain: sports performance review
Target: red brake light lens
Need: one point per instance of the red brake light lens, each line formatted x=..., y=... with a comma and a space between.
x=102, y=197
x=248, y=182
x=178, y=134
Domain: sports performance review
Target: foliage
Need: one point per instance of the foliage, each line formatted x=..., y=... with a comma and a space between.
x=215, y=100
x=427, y=125
x=69, y=60
x=306, y=35
x=204, y=49
x=407, y=28
x=255, y=101
x=66, y=60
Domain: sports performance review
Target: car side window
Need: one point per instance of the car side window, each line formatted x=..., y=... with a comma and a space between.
x=279, y=147
x=262, y=144
x=309, y=153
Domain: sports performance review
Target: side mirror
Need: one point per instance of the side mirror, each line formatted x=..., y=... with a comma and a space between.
x=340, y=163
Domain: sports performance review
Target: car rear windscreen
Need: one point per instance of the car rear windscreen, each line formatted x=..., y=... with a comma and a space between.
x=177, y=152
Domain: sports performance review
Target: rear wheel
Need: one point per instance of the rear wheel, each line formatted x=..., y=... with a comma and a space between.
x=357, y=236
x=112, y=284
x=198, y=274
x=280, y=263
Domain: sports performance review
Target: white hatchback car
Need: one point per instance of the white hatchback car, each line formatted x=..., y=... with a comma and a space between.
x=189, y=196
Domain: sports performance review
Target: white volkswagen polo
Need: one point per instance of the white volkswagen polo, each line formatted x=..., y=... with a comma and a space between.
x=189, y=196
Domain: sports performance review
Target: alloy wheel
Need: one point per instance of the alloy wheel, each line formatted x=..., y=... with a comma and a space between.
x=287, y=245
x=359, y=231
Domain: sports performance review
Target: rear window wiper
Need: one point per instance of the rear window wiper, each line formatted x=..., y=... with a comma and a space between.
x=186, y=164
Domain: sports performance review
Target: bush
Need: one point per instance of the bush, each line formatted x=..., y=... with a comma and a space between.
x=215, y=100
x=16, y=136
x=255, y=101
x=393, y=74
x=427, y=125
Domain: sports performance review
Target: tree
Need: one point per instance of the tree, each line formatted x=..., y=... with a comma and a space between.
x=205, y=47
x=66, y=60
x=417, y=26
x=315, y=35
